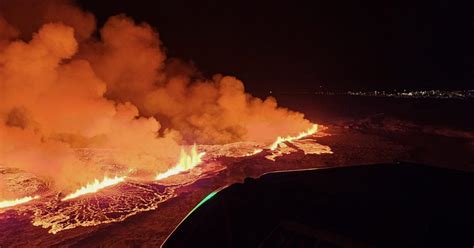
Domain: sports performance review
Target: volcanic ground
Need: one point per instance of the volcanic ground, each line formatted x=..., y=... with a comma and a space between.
x=140, y=213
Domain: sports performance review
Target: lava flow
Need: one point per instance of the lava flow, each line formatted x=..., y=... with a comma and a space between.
x=128, y=115
x=95, y=186
x=11, y=203
x=131, y=196
x=185, y=163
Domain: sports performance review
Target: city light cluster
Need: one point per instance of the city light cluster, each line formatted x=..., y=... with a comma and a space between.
x=439, y=94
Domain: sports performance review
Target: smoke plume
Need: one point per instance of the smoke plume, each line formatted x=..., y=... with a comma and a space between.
x=63, y=89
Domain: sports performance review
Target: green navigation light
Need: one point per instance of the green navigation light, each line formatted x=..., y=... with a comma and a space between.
x=207, y=198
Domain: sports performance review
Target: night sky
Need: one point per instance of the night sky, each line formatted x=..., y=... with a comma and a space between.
x=315, y=45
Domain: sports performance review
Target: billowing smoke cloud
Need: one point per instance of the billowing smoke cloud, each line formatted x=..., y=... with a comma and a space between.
x=205, y=111
x=62, y=89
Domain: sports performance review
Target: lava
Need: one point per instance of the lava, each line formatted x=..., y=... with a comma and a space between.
x=185, y=163
x=256, y=151
x=127, y=114
x=280, y=140
x=95, y=186
x=11, y=203
x=131, y=196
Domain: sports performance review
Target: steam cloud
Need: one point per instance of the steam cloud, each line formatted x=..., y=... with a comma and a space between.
x=62, y=89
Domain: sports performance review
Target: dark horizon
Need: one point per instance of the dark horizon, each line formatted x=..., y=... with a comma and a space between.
x=319, y=46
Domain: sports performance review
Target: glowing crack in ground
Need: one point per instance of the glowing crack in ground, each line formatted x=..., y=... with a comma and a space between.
x=121, y=199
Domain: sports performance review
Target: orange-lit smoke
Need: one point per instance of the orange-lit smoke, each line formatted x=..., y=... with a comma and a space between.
x=131, y=60
x=62, y=88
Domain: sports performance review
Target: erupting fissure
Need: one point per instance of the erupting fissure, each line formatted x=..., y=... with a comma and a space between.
x=256, y=151
x=74, y=107
x=185, y=163
x=280, y=140
x=95, y=186
x=11, y=203
x=127, y=113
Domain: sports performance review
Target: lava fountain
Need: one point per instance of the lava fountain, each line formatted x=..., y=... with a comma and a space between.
x=95, y=187
x=185, y=163
x=11, y=203
x=280, y=140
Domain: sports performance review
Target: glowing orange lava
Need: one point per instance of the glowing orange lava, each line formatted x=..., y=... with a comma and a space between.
x=281, y=140
x=186, y=162
x=11, y=203
x=256, y=151
x=95, y=186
